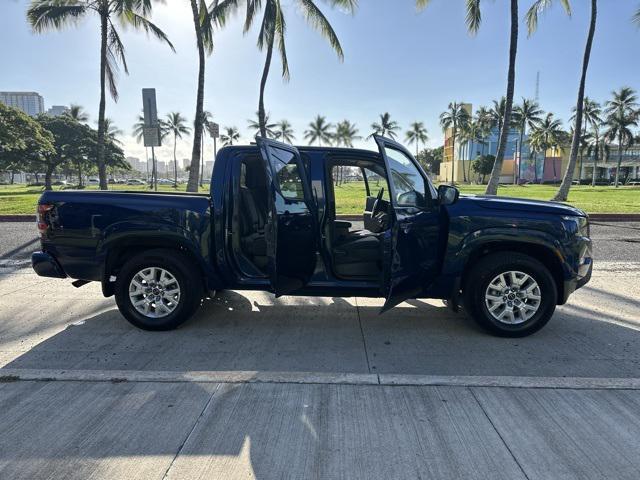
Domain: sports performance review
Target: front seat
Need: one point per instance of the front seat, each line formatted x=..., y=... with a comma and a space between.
x=358, y=255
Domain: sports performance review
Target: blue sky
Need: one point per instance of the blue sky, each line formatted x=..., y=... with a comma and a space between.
x=409, y=63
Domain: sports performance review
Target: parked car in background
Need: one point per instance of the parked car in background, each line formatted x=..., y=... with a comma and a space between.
x=270, y=224
x=93, y=181
x=135, y=181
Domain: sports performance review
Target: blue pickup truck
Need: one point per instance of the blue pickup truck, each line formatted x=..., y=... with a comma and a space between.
x=270, y=224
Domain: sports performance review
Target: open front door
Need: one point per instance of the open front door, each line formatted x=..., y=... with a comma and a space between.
x=411, y=253
x=291, y=228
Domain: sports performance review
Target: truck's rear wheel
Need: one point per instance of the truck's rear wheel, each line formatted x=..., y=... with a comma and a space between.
x=510, y=294
x=157, y=290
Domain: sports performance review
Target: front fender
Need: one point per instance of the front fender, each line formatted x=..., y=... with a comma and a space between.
x=459, y=252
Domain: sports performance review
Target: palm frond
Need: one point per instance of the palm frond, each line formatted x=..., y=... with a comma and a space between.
x=140, y=22
x=317, y=20
x=116, y=47
x=474, y=16
x=267, y=27
x=538, y=8
x=636, y=17
x=280, y=30
x=421, y=4
x=252, y=7
x=111, y=72
x=46, y=15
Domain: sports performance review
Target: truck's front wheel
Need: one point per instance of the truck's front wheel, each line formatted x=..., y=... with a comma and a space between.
x=510, y=294
x=157, y=290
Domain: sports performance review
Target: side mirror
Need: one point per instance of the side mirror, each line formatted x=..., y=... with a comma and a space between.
x=448, y=195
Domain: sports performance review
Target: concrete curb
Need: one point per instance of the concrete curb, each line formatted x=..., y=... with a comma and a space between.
x=323, y=378
x=17, y=218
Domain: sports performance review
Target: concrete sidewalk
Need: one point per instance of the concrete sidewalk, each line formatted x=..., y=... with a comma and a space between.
x=195, y=431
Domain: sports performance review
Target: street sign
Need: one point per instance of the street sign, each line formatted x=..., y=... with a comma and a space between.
x=151, y=132
x=214, y=131
x=151, y=136
x=149, y=107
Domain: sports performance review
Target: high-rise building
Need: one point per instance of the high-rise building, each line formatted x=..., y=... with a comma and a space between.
x=57, y=110
x=137, y=164
x=30, y=103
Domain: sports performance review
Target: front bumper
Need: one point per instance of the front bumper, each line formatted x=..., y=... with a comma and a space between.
x=46, y=265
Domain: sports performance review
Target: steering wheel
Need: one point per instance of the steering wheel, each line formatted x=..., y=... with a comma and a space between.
x=377, y=203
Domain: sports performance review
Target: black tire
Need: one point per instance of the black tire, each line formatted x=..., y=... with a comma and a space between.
x=482, y=274
x=185, y=272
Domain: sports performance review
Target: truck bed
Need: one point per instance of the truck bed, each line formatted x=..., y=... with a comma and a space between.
x=84, y=225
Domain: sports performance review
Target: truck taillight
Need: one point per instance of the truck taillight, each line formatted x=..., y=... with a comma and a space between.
x=43, y=209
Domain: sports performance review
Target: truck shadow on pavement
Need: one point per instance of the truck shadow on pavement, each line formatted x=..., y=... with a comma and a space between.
x=253, y=332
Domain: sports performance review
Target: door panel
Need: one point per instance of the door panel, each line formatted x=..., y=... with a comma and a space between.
x=291, y=230
x=411, y=256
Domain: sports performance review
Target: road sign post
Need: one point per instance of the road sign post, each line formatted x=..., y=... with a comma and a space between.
x=151, y=131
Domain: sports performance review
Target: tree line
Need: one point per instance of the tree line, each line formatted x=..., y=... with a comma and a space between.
x=46, y=15
x=48, y=144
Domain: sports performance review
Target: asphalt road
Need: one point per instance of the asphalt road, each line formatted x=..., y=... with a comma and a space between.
x=613, y=242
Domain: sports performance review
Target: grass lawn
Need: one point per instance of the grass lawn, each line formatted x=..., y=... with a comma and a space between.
x=349, y=197
x=19, y=199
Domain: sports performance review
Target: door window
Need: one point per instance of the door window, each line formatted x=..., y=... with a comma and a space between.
x=288, y=177
x=407, y=184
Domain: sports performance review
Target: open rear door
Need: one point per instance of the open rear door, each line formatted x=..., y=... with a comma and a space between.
x=411, y=252
x=291, y=230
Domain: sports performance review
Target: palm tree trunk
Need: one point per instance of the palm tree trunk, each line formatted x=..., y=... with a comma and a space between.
x=201, y=161
x=520, y=155
x=619, y=159
x=175, y=162
x=102, y=171
x=453, y=157
x=595, y=162
x=580, y=167
x=494, y=179
x=192, y=185
x=563, y=191
x=263, y=84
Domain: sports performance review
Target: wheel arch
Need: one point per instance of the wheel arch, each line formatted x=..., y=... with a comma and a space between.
x=118, y=252
x=543, y=253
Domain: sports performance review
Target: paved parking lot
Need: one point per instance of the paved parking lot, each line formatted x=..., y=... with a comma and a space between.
x=254, y=387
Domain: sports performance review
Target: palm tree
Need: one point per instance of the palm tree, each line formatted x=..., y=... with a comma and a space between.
x=621, y=115
x=484, y=123
x=269, y=128
x=591, y=117
x=636, y=17
x=138, y=133
x=599, y=148
x=527, y=114
x=386, y=127
x=204, y=20
x=417, y=134
x=545, y=135
x=538, y=7
x=273, y=31
x=346, y=132
x=319, y=131
x=230, y=135
x=77, y=113
x=45, y=15
x=456, y=117
x=284, y=131
x=176, y=124
x=473, y=20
